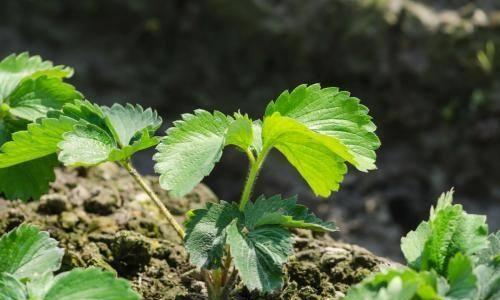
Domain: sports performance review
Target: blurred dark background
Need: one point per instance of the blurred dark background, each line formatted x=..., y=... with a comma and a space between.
x=427, y=69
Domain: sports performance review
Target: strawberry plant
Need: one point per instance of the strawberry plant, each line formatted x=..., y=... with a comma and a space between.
x=450, y=257
x=28, y=259
x=317, y=130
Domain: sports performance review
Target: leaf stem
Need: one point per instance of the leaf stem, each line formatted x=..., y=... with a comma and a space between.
x=166, y=213
x=252, y=176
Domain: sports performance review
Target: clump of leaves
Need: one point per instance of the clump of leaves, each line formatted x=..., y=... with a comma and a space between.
x=29, y=89
x=317, y=129
x=450, y=256
x=28, y=260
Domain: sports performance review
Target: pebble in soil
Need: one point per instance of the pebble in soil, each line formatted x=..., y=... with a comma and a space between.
x=102, y=218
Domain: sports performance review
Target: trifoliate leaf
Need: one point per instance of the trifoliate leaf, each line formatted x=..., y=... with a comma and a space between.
x=14, y=69
x=335, y=114
x=190, y=150
x=27, y=252
x=259, y=255
x=11, y=288
x=144, y=142
x=85, y=145
x=82, y=110
x=314, y=155
x=206, y=233
x=125, y=122
x=394, y=284
x=240, y=132
x=284, y=212
x=461, y=278
x=28, y=180
x=33, y=98
x=450, y=230
x=89, y=284
x=39, y=140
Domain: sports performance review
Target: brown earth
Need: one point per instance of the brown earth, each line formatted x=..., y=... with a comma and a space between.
x=102, y=218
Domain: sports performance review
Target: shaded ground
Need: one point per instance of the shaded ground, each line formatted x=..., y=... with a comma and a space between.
x=102, y=218
x=415, y=64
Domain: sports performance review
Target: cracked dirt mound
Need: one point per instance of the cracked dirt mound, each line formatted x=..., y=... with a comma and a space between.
x=102, y=218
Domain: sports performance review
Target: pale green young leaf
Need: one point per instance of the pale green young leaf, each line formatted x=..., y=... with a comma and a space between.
x=314, y=155
x=85, y=145
x=461, y=278
x=284, y=212
x=190, y=150
x=28, y=252
x=39, y=140
x=335, y=114
x=259, y=255
x=89, y=284
x=240, y=132
x=488, y=281
x=28, y=180
x=33, y=98
x=396, y=284
x=11, y=288
x=492, y=252
x=14, y=69
x=412, y=245
x=257, y=136
x=206, y=233
x=127, y=121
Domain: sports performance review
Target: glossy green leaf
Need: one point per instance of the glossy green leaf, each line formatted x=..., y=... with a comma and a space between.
x=27, y=252
x=335, y=114
x=259, y=255
x=190, y=150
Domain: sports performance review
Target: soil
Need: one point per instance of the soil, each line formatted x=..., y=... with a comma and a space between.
x=102, y=218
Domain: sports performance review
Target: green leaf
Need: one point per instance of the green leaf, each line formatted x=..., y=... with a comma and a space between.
x=144, y=142
x=86, y=145
x=491, y=253
x=11, y=288
x=89, y=284
x=259, y=255
x=335, y=114
x=39, y=140
x=461, y=278
x=28, y=253
x=190, y=150
x=240, y=132
x=125, y=122
x=450, y=230
x=284, y=212
x=206, y=233
x=488, y=281
x=33, y=98
x=4, y=132
x=314, y=155
x=394, y=284
x=28, y=180
x=82, y=110
x=14, y=69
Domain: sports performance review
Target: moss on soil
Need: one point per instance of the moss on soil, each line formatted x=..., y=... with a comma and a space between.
x=102, y=218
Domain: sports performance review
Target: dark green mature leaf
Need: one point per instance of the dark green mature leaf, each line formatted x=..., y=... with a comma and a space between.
x=259, y=255
x=335, y=114
x=11, y=288
x=33, y=98
x=28, y=180
x=206, y=233
x=85, y=145
x=317, y=157
x=89, y=284
x=14, y=69
x=27, y=253
x=190, y=150
x=450, y=230
x=125, y=122
x=393, y=284
x=461, y=278
x=284, y=212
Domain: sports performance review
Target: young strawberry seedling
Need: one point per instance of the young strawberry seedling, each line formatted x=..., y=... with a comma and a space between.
x=450, y=257
x=28, y=258
x=317, y=130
